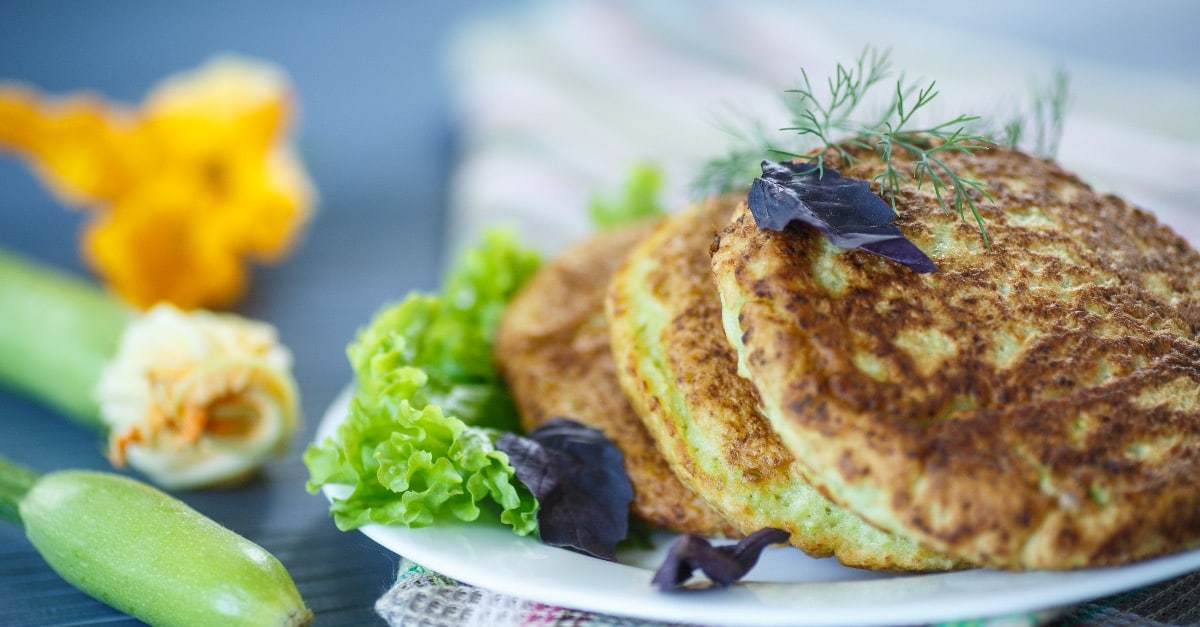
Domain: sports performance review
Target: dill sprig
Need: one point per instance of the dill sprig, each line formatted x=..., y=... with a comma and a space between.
x=731, y=171
x=836, y=121
x=928, y=164
x=1038, y=126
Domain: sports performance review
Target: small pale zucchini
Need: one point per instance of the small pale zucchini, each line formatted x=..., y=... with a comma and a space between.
x=148, y=554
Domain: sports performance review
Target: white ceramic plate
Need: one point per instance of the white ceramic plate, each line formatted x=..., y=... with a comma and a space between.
x=787, y=587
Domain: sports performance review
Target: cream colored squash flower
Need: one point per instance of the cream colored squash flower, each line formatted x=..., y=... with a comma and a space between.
x=197, y=398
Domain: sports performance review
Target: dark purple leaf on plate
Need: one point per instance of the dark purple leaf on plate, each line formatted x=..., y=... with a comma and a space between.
x=843, y=208
x=578, y=477
x=723, y=564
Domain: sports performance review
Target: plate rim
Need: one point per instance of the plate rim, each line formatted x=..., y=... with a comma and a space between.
x=750, y=603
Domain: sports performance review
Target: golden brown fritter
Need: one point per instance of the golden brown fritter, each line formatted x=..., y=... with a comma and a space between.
x=552, y=349
x=680, y=373
x=1035, y=405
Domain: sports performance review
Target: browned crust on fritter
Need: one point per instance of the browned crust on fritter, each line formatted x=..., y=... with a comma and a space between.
x=697, y=353
x=680, y=374
x=1078, y=447
x=552, y=349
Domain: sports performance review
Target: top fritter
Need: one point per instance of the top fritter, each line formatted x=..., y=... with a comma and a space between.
x=1031, y=405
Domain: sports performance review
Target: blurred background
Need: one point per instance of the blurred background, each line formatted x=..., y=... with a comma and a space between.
x=419, y=123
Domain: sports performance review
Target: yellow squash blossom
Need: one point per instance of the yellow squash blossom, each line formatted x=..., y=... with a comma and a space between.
x=78, y=145
x=185, y=190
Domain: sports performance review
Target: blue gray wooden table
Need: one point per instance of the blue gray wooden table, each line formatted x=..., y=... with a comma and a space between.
x=374, y=133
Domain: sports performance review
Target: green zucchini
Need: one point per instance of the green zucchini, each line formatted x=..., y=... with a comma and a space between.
x=146, y=553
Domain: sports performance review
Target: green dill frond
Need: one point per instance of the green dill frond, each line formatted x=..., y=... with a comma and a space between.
x=1038, y=125
x=742, y=163
x=730, y=172
x=835, y=119
x=831, y=121
x=1049, y=111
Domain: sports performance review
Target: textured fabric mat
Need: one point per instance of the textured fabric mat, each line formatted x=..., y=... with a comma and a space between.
x=424, y=598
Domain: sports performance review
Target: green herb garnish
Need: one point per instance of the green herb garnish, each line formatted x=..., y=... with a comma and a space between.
x=1037, y=126
x=836, y=121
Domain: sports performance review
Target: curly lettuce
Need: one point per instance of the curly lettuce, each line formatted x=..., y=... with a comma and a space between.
x=418, y=443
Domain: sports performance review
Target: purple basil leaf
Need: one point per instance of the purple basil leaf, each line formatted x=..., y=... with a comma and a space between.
x=844, y=209
x=722, y=564
x=578, y=477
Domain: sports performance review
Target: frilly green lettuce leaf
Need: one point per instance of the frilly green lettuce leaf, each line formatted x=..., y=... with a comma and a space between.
x=418, y=442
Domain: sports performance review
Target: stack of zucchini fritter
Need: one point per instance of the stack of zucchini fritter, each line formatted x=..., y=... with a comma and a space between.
x=1033, y=403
